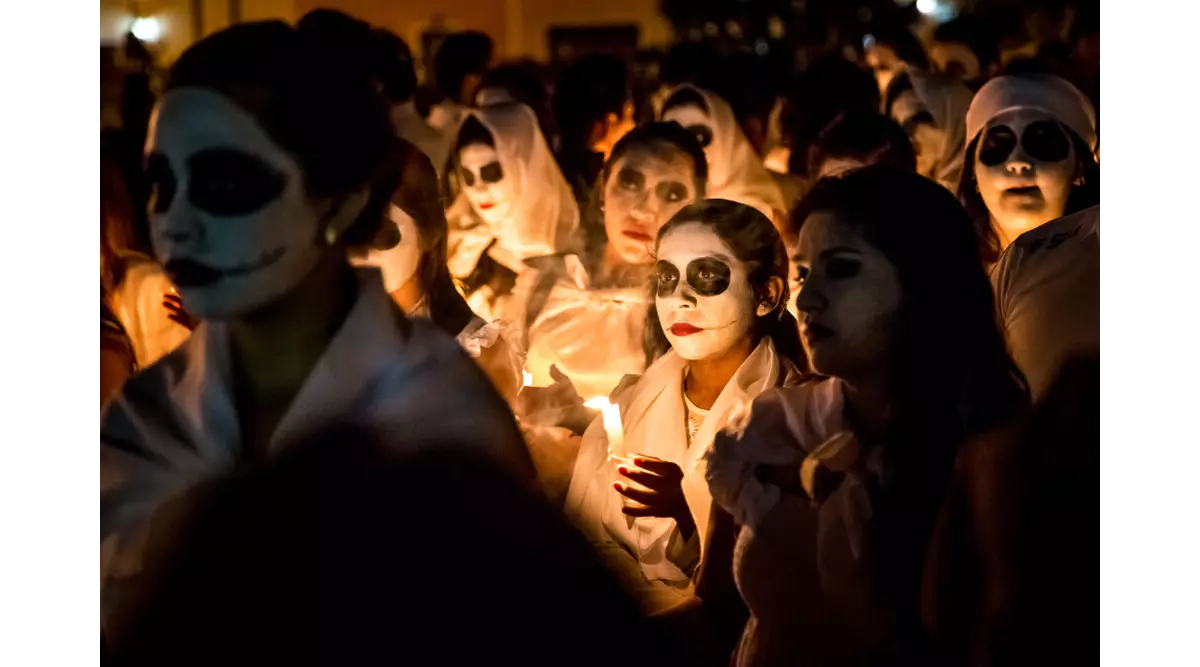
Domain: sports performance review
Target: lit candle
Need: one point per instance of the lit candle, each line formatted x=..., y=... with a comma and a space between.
x=611, y=413
x=527, y=379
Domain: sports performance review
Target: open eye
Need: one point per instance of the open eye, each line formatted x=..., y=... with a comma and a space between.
x=672, y=192
x=709, y=276
x=666, y=278
x=998, y=143
x=631, y=179
x=704, y=134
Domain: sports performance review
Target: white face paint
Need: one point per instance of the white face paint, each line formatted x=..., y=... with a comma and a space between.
x=697, y=122
x=1024, y=166
x=400, y=262
x=230, y=217
x=491, y=191
x=703, y=296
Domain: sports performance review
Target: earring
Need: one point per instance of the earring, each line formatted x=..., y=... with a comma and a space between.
x=1078, y=180
x=331, y=235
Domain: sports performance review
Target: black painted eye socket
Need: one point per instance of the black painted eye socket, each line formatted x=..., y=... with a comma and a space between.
x=491, y=173
x=1043, y=140
x=672, y=191
x=631, y=179
x=709, y=276
x=666, y=278
x=704, y=134
x=160, y=180
x=227, y=182
x=468, y=177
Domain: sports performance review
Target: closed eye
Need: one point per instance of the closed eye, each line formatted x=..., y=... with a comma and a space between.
x=841, y=268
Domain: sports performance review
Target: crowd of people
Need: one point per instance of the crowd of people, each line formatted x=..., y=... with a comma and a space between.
x=584, y=373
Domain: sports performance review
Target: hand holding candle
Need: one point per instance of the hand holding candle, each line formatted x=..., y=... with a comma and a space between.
x=656, y=488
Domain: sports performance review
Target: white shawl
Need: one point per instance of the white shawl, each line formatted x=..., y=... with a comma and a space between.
x=546, y=216
x=735, y=171
x=652, y=413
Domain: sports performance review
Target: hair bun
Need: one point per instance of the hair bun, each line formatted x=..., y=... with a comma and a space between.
x=337, y=44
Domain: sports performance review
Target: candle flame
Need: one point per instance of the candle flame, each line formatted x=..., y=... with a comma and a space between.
x=527, y=379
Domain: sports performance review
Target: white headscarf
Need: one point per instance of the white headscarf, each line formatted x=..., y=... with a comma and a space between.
x=947, y=100
x=735, y=170
x=1043, y=92
x=545, y=218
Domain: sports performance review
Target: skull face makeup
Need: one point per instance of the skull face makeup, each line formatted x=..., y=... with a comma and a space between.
x=643, y=192
x=491, y=192
x=703, y=295
x=230, y=217
x=696, y=121
x=1025, y=164
x=400, y=262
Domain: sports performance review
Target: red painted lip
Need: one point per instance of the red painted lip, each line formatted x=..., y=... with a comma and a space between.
x=637, y=236
x=684, y=329
x=487, y=206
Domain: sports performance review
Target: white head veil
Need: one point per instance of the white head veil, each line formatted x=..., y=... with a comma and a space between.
x=545, y=218
x=735, y=170
x=947, y=100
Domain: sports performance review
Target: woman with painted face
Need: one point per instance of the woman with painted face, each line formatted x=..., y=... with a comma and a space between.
x=512, y=203
x=269, y=157
x=1029, y=159
x=735, y=171
x=932, y=109
x=411, y=255
x=582, y=316
x=584, y=313
x=719, y=334
x=837, y=482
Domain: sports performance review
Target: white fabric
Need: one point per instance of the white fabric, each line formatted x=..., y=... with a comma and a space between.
x=654, y=422
x=175, y=423
x=593, y=336
x=783, y=426
x=399, y=263
x=1048, y=295
x=735, y=171
x=947, y=100
x=138, y=304
x=546, y=217
x=411, y=127
x=1043, y=92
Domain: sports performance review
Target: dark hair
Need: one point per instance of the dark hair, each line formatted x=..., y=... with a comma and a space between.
x=973, y=33
x=864, y=136
x=394, y=66
x=461, y=54
x=949, y=370
x=312, y=88
x=585, y=93
x=830, y=87
x=417, y=195
x=755, y=242
x=303, y=560
x=904, y=44
x=665, y=139
x=1084, y=195
x=116, y=225
x=685, y=97
x=473, y=131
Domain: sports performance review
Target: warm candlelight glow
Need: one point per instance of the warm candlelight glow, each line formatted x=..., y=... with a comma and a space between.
x=611, y=413
x=527, y=379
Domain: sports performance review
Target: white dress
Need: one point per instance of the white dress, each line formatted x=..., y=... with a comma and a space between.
x=654, y=560
x=175, y=423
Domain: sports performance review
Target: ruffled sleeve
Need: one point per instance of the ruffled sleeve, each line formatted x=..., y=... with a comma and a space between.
x=763, y=438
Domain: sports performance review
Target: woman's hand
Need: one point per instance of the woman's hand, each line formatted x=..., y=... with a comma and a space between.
x=556, y=405
x=176, y=311
x=657, y=491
